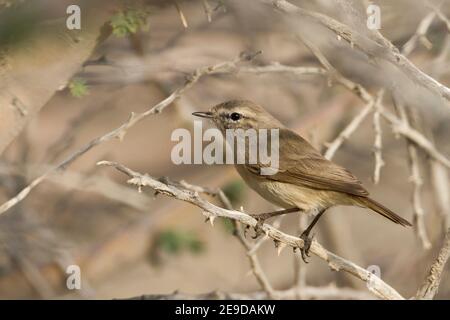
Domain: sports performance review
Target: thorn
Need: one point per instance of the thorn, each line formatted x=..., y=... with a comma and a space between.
x=211, y=220
x=280, y=248
x=245, y=230
x=276, y=243
x=209, y=217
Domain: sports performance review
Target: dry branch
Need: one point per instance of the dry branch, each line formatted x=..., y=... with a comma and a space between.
x=349, y=130
x=208, y=10
x=420, y=35
x=397, y=124
x=374, y=283
x=431, y=285
x=378, y=143
x=417, y=181
x=379, y=47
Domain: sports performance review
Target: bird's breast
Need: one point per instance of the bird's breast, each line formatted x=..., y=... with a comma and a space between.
x=286, y=195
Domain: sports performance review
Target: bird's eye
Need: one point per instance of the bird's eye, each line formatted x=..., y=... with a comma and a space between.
x=235, y=116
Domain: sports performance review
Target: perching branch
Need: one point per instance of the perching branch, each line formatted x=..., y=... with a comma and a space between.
x=374, y=283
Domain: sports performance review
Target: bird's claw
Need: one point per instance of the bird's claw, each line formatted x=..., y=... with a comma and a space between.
x=258, y=226
x=307, y=241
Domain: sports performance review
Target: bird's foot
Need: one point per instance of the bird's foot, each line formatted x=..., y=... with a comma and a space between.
x=258, y=227
x=307, y=241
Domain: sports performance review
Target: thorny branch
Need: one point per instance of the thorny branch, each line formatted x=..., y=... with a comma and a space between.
x=374, y=283
x=379, y=47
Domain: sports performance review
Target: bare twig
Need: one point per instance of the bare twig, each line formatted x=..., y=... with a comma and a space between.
x=181, y=14
x=397, y=124
x=438, y=173
x=208, y=10
x=92, y=183
x=416, y=179
x=430, y=287
x=276, y=67
x=420, y=35
x=378, y=143
x=348, y=130
x=374, y=283
x=416, y=137
x=441, y=191
x=359, y=90
x=381, y=47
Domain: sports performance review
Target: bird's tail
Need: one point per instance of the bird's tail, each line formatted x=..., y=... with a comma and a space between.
x=379, y=208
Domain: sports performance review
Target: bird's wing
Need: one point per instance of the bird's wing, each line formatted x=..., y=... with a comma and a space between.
x=301, y=164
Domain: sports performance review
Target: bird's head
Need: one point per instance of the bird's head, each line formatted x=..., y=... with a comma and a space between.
x=240, y=114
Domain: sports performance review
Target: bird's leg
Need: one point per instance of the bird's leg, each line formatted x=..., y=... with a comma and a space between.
x=267, y=215
x=305, y=236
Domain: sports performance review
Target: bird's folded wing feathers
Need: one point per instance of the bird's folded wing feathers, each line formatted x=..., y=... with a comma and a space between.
x=306, y=166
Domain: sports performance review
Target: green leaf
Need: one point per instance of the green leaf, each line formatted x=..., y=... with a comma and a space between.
x=128, y=21
x=235, y=191
x=176, y=241
x=78, y=88
x=227, y=224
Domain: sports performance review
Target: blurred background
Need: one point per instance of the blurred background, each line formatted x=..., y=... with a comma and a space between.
x=61, y=88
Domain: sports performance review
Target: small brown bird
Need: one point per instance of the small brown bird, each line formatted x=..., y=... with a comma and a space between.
x=305, y=181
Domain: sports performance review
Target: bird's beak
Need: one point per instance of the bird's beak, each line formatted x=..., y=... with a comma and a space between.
x=202, y=114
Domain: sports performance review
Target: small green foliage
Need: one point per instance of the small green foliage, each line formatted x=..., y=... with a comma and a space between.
x=78, y=88
x=234, y=191
x=18, y=22
x=227, y=224
x=176, y=241
x=128, y=21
